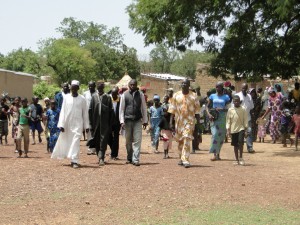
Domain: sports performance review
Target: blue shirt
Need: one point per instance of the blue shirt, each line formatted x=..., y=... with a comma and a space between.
x=219, y=101
x=156, y=112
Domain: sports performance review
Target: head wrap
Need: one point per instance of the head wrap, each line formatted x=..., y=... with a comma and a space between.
x=271, y=89
x=227, y=84
x=156, y=97
x=75, y=82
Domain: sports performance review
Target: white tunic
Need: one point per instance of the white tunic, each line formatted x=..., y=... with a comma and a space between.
x=73, y=118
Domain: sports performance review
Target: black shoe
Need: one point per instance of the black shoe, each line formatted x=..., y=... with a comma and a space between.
x=136, y=164
x=180, y=163
x=128, y=162
x=75, y=165
x=187, y=165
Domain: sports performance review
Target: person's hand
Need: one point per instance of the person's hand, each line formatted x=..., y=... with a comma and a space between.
x=145, y=125
x=122, y=126
x=228, y=132
x=210, y=117
x=246, y=134
x=87, y=130
x=171, y=125
x=62, y=129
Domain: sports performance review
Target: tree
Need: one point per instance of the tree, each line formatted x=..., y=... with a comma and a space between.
x=68, y=60
x=106, y=48
x=22, y=60
x=162, y=58
x=186, y=64
x=260, y=36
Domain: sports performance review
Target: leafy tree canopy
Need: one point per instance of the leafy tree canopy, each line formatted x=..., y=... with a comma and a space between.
x=69, y=61
x=252, y=37
x=23, y=60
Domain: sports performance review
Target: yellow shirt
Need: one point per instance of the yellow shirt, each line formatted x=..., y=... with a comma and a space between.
x=236, y=119
x=296, y=94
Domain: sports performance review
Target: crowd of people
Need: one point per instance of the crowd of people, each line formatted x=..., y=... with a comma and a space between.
x=248, y=115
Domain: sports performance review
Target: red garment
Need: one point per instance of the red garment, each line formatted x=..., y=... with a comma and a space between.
x=296, y=120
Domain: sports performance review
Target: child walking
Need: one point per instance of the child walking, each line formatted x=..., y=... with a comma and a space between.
x=156, y=113
x=52, y=115
x=296, y=120
x=285, y=121
x=261, y=133
x=236, y=125
x=166, y=132
x=23, y=127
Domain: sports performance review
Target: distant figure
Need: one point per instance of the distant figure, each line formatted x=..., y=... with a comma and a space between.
x=23, y=128
x=88, y=97
x=247, y=103
x=52, y=115
x=73, y=119
x=4, y=120
x=166, y=131
x=261, y=123
x=14, y=111
x=113, y=140
x=155, y=116
x=36, y=119
x=59, y=97
x=296, y=121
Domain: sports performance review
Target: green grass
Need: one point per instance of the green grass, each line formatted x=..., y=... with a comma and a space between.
x=225, y=214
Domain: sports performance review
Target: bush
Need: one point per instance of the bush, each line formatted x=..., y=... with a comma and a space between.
x=43, y=90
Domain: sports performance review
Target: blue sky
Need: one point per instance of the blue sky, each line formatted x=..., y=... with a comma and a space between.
x=24, y=22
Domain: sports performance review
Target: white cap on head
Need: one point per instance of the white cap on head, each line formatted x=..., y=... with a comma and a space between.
x=75, y=82
x=46, y=99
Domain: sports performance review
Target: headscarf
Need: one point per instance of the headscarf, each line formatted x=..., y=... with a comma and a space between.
x=271, y=90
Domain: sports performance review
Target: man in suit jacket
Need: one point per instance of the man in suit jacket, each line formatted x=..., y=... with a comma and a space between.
x=115, y=129
x=100, y=117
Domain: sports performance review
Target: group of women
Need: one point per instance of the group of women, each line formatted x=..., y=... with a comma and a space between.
x=267, y=104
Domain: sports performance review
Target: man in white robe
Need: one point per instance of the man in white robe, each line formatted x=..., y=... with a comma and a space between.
x=73, y=119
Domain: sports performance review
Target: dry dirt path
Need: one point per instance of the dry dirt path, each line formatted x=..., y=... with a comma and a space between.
x=39, y=190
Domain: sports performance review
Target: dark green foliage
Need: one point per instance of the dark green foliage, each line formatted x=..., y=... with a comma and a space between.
x=253, y=38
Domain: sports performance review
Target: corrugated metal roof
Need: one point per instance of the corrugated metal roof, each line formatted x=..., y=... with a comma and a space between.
x=163, y=76
x=18, y=73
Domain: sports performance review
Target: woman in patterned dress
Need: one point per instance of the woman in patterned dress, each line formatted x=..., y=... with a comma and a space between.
x=218, y=102
x=274, y=105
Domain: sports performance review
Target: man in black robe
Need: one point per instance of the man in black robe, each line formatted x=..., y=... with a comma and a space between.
x=100, y=116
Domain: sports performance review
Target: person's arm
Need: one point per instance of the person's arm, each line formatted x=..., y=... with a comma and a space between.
x=144, y=110
x=251, y=102
x=121, y=110
x=228, y=122
x=209, y=102
x=61, y=121
x=266, y=113
x=245, y=116
x=90, y=113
